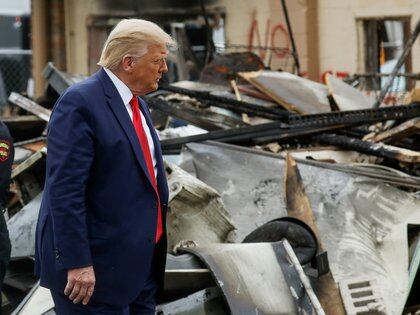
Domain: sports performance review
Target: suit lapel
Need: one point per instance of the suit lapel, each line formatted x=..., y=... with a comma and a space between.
x=115, y=102
x=161, y=178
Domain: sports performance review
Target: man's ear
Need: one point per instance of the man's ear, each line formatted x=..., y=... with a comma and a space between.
x=127, y=63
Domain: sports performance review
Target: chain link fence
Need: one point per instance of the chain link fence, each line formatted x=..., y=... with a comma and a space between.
x=15, y=71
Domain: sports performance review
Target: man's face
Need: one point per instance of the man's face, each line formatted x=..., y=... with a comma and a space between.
x=146, y=71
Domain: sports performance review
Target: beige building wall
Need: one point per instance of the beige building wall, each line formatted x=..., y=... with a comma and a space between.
x=325, y=31
x=341, y=45
x=262, y=23
x=262, y=20
x=76, y=19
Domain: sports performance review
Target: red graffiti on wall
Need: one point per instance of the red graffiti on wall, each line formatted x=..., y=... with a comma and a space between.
x=276, y=36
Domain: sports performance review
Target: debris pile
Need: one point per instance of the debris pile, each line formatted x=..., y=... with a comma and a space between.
x=288, y=196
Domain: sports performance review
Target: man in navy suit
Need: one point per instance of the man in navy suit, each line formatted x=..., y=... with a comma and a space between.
x=100, y=239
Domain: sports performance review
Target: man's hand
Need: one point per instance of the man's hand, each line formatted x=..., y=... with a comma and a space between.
x=80, y=284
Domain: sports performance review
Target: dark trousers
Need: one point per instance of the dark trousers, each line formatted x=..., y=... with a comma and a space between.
x=144, y=304
x=4, y=250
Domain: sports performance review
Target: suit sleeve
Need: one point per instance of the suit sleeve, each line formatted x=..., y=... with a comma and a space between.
x=69, y=160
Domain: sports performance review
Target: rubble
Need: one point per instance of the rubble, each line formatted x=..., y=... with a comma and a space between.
x=264, y=218
x=257, y=278
x=361, y=220
x=197, y=211
x=347, y=97
x=30, y=106
x=291, y=91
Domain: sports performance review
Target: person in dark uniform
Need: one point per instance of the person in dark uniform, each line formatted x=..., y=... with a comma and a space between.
x=6, y=161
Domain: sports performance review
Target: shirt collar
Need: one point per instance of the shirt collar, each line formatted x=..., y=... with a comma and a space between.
x=122, y=89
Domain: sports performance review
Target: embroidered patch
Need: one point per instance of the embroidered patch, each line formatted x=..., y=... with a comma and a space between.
x=4, y=150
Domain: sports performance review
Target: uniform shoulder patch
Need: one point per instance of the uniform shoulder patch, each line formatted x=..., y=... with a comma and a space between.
x=4, y=150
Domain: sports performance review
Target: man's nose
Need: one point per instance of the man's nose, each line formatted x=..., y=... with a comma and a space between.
x=164, y=67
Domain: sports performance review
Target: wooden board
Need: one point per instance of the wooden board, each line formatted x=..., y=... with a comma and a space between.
x=252, y=91
x=30, y=106
x=406, y=129
x=291, y=91
x=377, y=149
x=347, y=97
x=299, y=207
x=330, y=154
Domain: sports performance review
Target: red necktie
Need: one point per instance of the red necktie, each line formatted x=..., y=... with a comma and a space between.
x=141, y=134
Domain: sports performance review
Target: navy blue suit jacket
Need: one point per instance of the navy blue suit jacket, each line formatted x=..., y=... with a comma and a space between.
x=99, y=207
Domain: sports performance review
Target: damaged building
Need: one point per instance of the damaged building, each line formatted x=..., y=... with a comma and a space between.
x=290, y=134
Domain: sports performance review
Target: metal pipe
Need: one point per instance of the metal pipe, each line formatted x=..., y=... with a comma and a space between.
x=415, y=76
x=292, y=39
x=210, y=43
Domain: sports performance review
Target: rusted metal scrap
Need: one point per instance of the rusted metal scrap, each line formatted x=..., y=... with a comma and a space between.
x=225, y=67
x=299, y=207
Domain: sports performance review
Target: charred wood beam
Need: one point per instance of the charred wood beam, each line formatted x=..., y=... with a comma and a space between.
x=24, y=127
x=220, y=135
x=399, y=132
x=299, y=207
x=231, y=104
x=30, y=106
x=258, y=134
x=376, y=149
x=30, y=141
x=199, y=118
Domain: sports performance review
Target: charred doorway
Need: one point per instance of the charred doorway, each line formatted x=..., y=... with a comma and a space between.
x=383, y=42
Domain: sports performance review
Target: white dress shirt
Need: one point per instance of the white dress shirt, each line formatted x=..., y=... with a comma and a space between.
x=126, y=97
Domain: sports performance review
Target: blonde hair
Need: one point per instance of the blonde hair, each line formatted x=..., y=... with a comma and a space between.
x=132, y=37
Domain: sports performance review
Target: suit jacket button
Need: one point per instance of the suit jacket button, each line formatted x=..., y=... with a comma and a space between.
x=57, y=254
